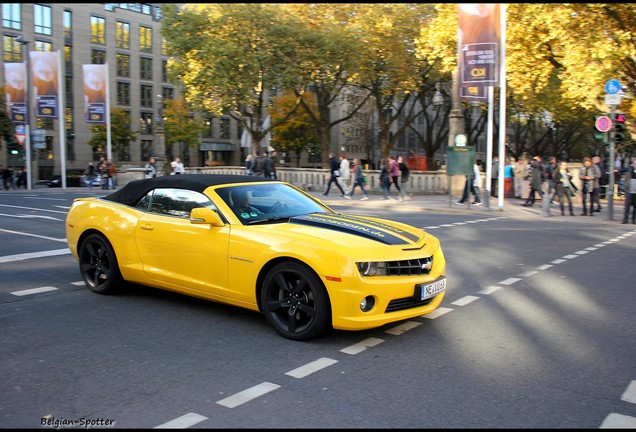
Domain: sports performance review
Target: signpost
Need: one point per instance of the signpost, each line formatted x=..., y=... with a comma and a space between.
x=612, y=99
x=603, y=123
x=20, y=134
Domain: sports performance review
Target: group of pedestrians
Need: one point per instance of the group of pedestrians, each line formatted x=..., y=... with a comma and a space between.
x=262, y=165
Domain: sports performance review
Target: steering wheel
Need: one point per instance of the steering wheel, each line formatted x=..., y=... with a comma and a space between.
x=277, y=205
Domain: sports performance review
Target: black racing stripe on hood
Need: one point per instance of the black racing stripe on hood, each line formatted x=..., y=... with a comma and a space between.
x=384, y=226
x=349, y=226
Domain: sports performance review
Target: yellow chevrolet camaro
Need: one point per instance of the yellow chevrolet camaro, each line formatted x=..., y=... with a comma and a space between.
x=260, y=244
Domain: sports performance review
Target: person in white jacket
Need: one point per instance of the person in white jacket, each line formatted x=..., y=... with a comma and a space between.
x=345, y=173
x=473, y=183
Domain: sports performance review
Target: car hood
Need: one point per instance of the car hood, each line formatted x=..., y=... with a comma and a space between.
x=379, y=231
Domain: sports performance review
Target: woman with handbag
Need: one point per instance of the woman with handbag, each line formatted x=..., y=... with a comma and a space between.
x=358, y=180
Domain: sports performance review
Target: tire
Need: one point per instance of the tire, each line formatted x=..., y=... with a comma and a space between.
x=98, y=265
x=295, y=301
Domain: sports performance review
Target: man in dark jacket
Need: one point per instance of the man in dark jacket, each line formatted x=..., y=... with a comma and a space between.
x=334, y=168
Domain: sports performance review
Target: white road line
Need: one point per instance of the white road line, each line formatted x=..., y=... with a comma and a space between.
x=618, y=421
x=361, y=346
x=465, y=300
x=489, y=290
x=185, y=421
x=30, y=255
x=402, y=328
x=630, y=393
x=78, y=283
x=431, y=227
x=571, y=256
x=544, y=267
x=528, y=273
x=34, y=235
x=33, y=208
x=447, y=225
x=309, y=368
x=509, y=281
x=591, y=248
x=558, y=261
x=247, y=395
x=599, y=245
x=581, y=252
x=33, y=291
x=437, y=313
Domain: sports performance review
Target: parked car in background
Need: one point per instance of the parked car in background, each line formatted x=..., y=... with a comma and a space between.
x=259, y=244
x=97, y=181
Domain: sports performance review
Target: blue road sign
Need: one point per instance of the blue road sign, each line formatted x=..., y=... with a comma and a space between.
x=612, y=86
x=20, y=129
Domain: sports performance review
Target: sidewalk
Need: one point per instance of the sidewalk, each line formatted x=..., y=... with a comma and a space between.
x=512, y=207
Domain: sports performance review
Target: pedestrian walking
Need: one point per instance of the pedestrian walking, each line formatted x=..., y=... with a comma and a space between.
x=473, y=184
x=89, y=175
x=405, y=173
x=394, y=169
x=536, y=181
x=629, y=188
x=596, y=160
x=589, y=174
x=257, y=168
x=249, y=163
x=359, y=179
x=151, y=168
x=521, y=176
x=345, y=173
x=564, y=187
x=334, y=173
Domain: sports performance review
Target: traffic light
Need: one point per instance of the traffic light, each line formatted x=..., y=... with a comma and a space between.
x=13, y=148
x=619, y=128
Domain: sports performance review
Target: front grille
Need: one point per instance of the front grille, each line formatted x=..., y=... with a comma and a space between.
x=407, y=303
x=420, y=266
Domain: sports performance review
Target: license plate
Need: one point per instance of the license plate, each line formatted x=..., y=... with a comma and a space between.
x=424, y=291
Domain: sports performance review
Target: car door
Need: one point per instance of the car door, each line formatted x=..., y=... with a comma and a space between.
x=177, y=253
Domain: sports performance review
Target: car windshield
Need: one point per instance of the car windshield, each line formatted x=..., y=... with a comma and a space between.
x=271, y=202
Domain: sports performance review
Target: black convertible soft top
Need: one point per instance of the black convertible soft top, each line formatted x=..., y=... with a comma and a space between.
x=130, y=193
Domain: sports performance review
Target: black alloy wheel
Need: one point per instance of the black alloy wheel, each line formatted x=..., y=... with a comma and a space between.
x=98, y=265
x=295, y=301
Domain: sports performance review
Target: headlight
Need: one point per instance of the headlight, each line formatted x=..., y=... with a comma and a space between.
x=372, y=268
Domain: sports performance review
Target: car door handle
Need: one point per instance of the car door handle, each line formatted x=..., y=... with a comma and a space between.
x=146, y=227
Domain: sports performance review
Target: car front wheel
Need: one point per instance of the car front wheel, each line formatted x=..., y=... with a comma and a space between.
x=295, y=301
x=98, y=265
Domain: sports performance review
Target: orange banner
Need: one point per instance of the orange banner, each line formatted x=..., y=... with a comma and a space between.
x=15, y=87
x=479, y=43
x=95, y=92
x=45, y=78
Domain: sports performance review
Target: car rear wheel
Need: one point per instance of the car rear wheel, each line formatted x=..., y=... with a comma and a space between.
x=295, y=301
x=98, y=265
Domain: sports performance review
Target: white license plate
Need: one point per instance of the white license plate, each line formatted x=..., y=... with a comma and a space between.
x=425, y=291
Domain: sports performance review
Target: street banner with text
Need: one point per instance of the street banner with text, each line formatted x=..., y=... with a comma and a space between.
x=479, y=40
x=45, y=77
x=15, y=85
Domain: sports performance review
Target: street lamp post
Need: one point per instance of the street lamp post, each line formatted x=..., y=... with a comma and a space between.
x=27, y=120
x=456, y=117
x=160, y=144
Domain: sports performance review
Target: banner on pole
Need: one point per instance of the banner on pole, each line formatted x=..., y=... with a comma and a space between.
x=15, y=85
x=479, y=35
x=44, y=74
x=95, y=92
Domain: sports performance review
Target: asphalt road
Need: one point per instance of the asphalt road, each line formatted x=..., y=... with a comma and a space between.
x=536, y=331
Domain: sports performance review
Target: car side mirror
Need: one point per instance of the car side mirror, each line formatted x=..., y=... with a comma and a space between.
x=204, y=215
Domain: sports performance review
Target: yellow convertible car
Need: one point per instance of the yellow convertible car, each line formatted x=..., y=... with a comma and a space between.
x=260, y=244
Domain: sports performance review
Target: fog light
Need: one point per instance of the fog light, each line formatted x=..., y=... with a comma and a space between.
x=367, y=304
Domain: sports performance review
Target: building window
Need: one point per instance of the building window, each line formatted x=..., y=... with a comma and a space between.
x=98, y=57
x=123, y=93
x=42, y=20
x=123, y=152
x=43, y=46
x=98, y=31
x=146, y=149
x=123, y=65
x=145, y=69
x=68, y=81
x=67, y=24
x=164, y=70
x=11, y=16
x=145, y=39
x=224, y=128
x=68, y=59
x=208, y=132
x=146, y=96
x=122, y=34
x=145, y=125
x=168, y=93
x=70, y=136
x=12, y=52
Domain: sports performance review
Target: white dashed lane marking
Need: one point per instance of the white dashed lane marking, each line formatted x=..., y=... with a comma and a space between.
x=247, y=395
x=33, y=291
x=309, y=368
x=185, y=421
x=361, y=346
x=489, y=290
x=404, y=327
x=465, y=300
